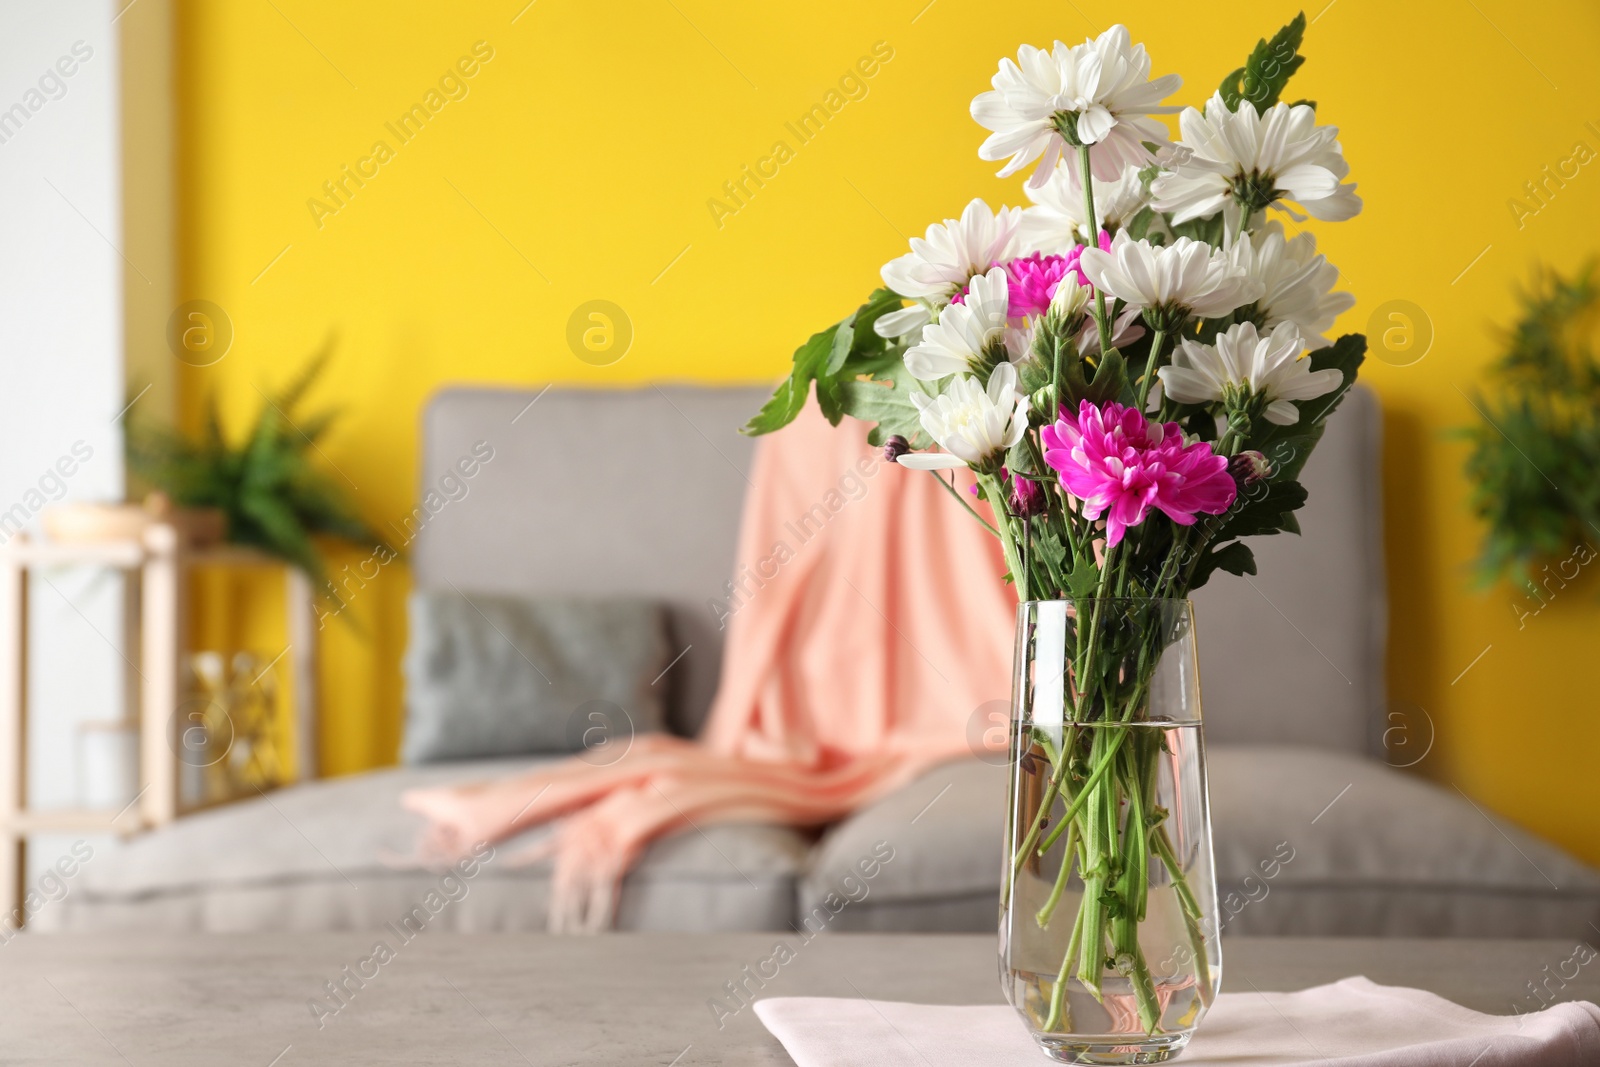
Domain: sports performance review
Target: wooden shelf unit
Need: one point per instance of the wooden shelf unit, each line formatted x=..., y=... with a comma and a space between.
x=156, y=569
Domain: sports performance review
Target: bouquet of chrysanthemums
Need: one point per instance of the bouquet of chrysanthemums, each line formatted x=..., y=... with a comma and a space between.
x=1135, y=369
x=1144, y=339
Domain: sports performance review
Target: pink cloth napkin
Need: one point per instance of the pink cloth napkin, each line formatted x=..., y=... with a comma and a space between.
x=1353, y=1023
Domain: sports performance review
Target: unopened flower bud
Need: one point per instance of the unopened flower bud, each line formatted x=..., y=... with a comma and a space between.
x=894, y=448
x=1027, y=497
x=1070, y=298
x=1251, y=467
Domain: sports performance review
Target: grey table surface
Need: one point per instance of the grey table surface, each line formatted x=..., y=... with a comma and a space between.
x=615, y=999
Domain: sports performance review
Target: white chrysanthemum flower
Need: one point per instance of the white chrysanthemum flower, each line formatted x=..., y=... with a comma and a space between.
x=1245, y=364
x=1055, y=224
x=1297, y=282
x=961, y=338
x=938, y=265
x=974, y=426
x=1103, y=84
x=1169, y=281
x=1254, y=160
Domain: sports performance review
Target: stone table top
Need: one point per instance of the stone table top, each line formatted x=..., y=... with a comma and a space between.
x=444, y=998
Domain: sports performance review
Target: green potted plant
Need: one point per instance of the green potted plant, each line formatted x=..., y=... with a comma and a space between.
x=273, y=496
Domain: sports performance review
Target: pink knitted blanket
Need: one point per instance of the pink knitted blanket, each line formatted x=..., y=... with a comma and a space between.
x=857, y=653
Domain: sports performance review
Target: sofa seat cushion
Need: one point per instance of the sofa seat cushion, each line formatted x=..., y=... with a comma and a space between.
x=942, y=835
x=1362, y=848
x=1394, y=855
x=330, y=855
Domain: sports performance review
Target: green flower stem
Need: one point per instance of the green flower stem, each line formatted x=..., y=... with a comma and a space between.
x=1060, y=341
x=1125, y=941
x=1150, y=369
x=1133, y=888
x=1138, y=870
x=1086, y=649
x=1043, y=741
x=1044, y=913
x=1102, y=766
x=1060, y=1016
x=1046, y=802
x=991, y=488
x=1058, y=516
x=1190, y=907
x=951, y=489
x=1113, y=856
x=1103, y=763
x=1245, y=211
x=1113, y=831
x=1169, y=566
x=1097, y=864
x=1070, y=527
x=1094, y=242
x=1058, y=760
x=1228, y=444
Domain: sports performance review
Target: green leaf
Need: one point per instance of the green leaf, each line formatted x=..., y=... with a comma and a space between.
x=829, y=357
x=888, y=404
x=1267, y=71
x=1139, y=226
x=1288, y=447
x=790, y=397
x=844, y=339
x=1109, y=381
x=271, y=524
x=1207, y=231
x=1084, y=579
x=1234, y=557
x=1048, y=547
x=1346, y=356
x=879, y=304
x=1264, y=508
x=289, y=396
x=828, y=398
x=1288, y=452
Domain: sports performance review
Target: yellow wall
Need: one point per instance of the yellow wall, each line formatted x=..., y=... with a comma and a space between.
x=580, y=165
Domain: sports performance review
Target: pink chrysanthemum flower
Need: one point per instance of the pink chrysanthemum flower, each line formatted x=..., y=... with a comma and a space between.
x=1033, y=280
x=1121, y=465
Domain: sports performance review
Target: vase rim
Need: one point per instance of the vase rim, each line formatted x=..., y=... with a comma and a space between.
x=1107, y=600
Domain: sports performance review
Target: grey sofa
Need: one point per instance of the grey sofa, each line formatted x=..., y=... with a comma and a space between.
x=1315, y=834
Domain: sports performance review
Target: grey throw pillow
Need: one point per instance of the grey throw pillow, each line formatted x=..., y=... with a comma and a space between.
x=494, y=675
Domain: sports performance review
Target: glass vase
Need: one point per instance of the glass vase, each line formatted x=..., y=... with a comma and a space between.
x=1108, y=932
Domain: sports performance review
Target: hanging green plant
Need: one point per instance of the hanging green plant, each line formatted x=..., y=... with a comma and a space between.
x=1536, y=451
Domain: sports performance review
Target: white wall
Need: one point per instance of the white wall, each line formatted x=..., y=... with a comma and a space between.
x=61, y=351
